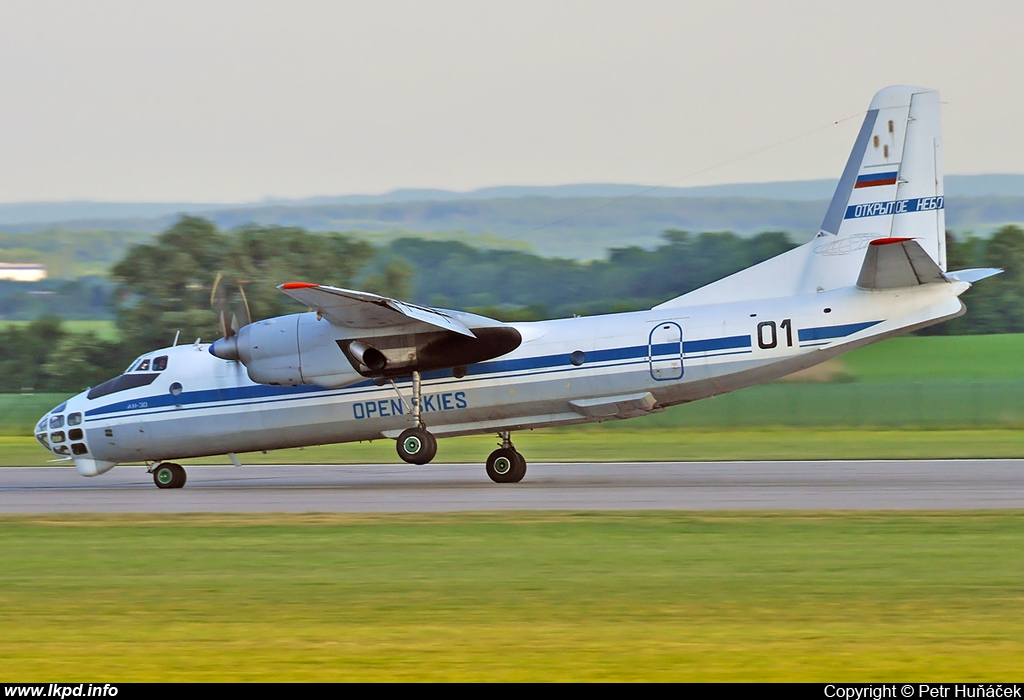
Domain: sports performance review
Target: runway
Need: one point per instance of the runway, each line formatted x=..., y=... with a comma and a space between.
x=855, y=485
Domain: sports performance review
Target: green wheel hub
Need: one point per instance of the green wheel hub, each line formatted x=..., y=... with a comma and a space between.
x=502, y=465
x=412, y=444
x=164, y=475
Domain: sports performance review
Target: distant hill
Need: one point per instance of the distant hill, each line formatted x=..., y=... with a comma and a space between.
x=579, y=221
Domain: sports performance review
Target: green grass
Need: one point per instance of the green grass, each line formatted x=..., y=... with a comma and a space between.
x=19, y=413
x=521, y=597
x=106, y=330
x=957, y=358
x=593, y=444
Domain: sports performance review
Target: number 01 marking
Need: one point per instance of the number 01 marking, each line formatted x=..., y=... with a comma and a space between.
x=768, y=335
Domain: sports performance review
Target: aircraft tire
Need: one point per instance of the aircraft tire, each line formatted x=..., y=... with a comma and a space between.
x=520, y=471
x=506, y=466
x=416, y=446
x=169, y=476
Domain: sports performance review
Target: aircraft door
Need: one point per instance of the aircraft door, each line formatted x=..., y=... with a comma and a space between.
x=665, y=351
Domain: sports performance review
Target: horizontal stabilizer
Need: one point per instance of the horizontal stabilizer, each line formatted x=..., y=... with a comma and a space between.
x=891, y=263
x=974, y=274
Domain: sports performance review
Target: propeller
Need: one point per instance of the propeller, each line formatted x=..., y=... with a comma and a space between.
x=231, y=319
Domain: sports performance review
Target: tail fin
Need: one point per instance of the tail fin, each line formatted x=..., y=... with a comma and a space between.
x=891, y=188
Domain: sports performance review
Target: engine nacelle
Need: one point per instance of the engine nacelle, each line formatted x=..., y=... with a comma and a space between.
x=288, y=351
x=305, y=349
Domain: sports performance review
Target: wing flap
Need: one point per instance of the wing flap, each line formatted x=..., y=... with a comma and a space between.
x=363, y=310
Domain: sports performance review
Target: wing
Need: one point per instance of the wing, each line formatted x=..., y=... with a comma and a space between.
x=385, y=337
x=362, y=310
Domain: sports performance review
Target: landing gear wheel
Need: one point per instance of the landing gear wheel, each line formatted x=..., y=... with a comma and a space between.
x=520, y=470
x=506, y=466
x=169, y=476
x=416, y=446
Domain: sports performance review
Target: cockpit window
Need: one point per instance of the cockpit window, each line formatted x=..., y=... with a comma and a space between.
x=160, y=363
x=57, y=436
x=74, y=419
x=122, y=383
x=143, y=366
x=60, y=408
x=56, y=422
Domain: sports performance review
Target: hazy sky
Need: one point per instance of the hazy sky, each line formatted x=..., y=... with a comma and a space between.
x=233, y=101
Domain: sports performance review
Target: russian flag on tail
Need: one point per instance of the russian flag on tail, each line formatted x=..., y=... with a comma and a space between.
x=875, y=180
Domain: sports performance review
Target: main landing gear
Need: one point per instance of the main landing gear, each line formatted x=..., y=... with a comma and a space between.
x=168, y=475
x=418, y=446
x=505, y=465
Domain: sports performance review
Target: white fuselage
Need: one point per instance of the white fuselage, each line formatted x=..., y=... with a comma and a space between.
x=565, y=371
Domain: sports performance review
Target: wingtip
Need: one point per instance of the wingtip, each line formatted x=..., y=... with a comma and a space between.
x=298, y=285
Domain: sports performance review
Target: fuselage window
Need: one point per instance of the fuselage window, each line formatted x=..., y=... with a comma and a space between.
x=160, y=363
x=56, y=422
x=143, y=366
x=74, y=419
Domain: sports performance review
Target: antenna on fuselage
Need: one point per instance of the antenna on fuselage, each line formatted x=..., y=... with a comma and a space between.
x=176, y=334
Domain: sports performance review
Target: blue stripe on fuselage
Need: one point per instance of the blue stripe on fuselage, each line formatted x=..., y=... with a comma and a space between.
x=266, y=392
x=827, y=332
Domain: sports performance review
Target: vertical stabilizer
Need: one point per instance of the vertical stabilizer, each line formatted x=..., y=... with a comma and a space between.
x=891, y=187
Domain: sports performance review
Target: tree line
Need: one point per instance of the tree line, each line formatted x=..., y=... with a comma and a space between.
x=164, y=286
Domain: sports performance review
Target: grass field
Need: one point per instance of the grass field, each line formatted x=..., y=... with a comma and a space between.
x=827, y=597
x=106, y=330
x=591, y=443
x=959, y=396
x=552, y=596
x=957, y=358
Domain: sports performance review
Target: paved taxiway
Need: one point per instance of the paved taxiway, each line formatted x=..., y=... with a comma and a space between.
x=862, y=485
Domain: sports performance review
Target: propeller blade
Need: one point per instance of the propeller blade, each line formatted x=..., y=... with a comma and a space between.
x=213, y=289
x=245, y=301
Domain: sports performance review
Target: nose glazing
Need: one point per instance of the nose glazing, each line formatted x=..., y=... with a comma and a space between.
x=50, y=431
x=41, y=431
